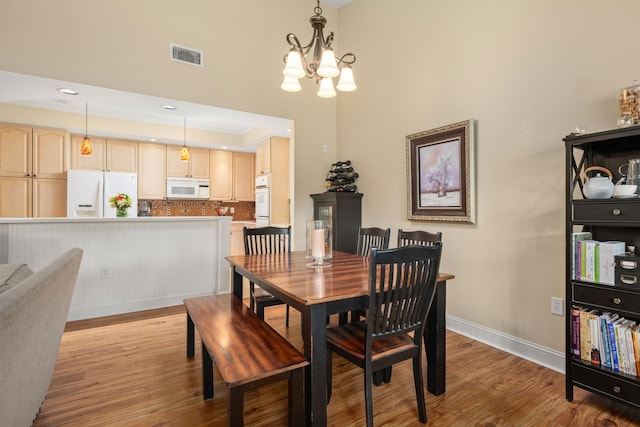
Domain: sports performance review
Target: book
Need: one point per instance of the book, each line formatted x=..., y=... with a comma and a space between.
x=607, y=262
x=585, y=335
x=575, y=331
x=620, y=347
x=575, y=252
x=628, y=339
x=590, y=259
x=605, y=352
x=594, y=326
x=612, y=342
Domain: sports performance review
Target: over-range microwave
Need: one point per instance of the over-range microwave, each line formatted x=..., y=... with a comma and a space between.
x=187, y=188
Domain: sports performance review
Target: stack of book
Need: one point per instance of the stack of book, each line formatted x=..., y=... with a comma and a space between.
x=592, y=261
x=605, y=339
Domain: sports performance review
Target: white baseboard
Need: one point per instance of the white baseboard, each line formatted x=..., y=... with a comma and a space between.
x=535, y=353
x=89, y=313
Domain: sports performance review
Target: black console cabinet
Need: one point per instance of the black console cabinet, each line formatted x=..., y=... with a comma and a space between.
x=608, y=219
x=344, y=209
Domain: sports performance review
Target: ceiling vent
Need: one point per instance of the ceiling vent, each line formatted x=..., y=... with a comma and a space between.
x=186, y=55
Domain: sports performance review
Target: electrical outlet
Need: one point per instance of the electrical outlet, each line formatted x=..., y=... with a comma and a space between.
x=232, y=209
x=557, y=306
x=105, y=273
x=325, y=148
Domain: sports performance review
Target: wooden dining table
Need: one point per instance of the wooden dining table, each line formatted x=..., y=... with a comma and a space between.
x=321, y=291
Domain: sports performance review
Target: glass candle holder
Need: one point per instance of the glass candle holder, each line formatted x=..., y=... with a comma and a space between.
x=319, y=242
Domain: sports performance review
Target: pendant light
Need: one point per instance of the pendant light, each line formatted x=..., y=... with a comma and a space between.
x=184, y=153
x=85, y=148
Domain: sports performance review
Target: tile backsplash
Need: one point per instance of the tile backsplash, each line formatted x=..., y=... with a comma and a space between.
x=243, y=211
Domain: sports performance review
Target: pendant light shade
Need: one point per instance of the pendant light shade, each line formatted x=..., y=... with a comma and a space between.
x=346, y=83
x=184, y=153
x=291, y=84
x=328, y=66
x=326, y=88
x=85, y=147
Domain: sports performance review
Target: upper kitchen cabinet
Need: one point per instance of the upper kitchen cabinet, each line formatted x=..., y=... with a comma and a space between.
x=122, y=156
x=112, y=155
x=243, y=177
x=29, y=152
x=152, y=172
x=263, y=157
x=232, y=176
x=196, y=167
x=221, y=180
x=33, y=163
x=97, y=159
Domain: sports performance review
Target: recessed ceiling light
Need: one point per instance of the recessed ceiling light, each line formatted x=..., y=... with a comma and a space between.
x=67, y=91
x=152, y=139
x=169, y=107
x=224, y=147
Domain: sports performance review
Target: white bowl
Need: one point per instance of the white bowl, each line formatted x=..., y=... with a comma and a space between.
x=624, y=190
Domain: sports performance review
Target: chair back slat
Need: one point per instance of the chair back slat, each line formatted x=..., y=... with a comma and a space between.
x=418, y=237
x=372, y=237
x=403, y=284
x=264, y=240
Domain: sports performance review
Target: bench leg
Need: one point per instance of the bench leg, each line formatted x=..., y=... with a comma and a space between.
x=235, y=407
x=190, y=337
x=207, y=374
x=296, y=398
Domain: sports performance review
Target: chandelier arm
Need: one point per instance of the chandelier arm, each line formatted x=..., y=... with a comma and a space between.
x=347, y=59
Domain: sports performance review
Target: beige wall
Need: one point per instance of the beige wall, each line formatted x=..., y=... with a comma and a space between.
x=528, y=72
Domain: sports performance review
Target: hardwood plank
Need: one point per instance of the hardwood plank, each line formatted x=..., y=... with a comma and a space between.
x=131, y=370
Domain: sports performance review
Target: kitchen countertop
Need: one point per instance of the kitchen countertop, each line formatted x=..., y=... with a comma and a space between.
x=119, y=220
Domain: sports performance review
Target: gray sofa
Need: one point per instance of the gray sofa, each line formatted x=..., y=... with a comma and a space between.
x=33, y=312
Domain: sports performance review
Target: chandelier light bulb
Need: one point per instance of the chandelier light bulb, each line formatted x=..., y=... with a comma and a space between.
x=326, y=88
x=291, y=84
x=293, y=68
x=346, y=83
x=328, y=66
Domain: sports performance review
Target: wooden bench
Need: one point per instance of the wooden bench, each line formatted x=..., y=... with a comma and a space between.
x=247, y=352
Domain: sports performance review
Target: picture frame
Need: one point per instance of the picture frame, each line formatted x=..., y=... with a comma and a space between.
x=440, y=174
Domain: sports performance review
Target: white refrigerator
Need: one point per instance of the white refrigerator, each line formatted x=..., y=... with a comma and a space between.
x=88, y=192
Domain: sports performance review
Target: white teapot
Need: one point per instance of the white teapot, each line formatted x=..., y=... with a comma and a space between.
x=598, y=187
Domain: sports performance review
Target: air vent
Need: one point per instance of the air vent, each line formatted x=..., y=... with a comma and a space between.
x=186, y=55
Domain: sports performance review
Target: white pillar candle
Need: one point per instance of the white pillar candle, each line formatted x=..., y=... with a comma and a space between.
x=317, y=243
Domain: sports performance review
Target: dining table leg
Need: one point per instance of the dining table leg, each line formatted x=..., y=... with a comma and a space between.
x=435, y=341
x=314, y=333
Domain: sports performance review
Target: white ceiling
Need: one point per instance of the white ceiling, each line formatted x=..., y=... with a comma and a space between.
x=336, y=3
x=38, y=92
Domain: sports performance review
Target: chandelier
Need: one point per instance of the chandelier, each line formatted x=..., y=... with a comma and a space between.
x=321, y=64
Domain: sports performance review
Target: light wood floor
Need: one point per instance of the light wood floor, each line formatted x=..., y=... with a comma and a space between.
x=131, y=370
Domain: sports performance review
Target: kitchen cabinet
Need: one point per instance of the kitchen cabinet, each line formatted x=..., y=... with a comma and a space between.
x=122, y=156
x=263, y=157
x=33, y=161
x=605, y=220
x=98, y=158
x=113, y=155
x=152, y=167
x=232, y=176
x=196, y=167
x=221, y=184
x=243, y=177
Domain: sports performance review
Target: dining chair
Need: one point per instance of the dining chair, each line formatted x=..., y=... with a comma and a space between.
x=263, y=240
x=402, y=286
x=418, y=237
x=367, y=238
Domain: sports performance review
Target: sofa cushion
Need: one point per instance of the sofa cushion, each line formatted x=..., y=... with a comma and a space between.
x=12, y=274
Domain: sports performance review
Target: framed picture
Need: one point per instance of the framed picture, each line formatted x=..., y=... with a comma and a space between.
x=440, y=173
